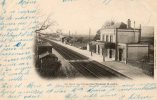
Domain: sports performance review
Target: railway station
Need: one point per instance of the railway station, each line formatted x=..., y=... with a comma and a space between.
x=118, y=53
x=75, y=62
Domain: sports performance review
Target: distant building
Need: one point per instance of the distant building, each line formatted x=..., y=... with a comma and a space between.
x=120, y=42
x=66, y=39
x=147, y=31
x=44, y=47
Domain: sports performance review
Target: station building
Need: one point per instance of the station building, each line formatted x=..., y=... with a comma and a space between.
x=119, y=42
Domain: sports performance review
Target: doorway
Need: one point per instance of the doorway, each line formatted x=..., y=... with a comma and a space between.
x=120, y=54
x=110, y=53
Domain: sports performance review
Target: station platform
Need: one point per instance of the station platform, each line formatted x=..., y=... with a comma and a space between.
x=128, y=70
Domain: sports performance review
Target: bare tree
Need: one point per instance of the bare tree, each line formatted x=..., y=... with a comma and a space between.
x=45, y=25
x=108, y=23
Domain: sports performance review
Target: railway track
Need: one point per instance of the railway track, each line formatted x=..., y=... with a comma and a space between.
x=83, y=70
x=90, y=69
x=97, y=70
x=67, y=53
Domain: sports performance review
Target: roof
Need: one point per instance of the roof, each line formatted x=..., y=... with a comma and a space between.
x=120, y=25
x=134, y=44
x=97, y=42
x=44, y=44
x=46, y=54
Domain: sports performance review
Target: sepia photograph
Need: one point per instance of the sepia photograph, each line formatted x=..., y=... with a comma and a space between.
x=94, y=46
x=78, y=49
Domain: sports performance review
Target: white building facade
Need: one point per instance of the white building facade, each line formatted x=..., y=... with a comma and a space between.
x=120, y=42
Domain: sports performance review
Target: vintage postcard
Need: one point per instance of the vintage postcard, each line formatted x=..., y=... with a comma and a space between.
x=78, y=49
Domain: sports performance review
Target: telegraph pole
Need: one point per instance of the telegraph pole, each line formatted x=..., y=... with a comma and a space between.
x=75, y=33
x=69, y=33
x=90, y=41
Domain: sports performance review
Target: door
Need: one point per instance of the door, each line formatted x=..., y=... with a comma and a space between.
x=120, y=54
x=98, y=49
x=110, y=53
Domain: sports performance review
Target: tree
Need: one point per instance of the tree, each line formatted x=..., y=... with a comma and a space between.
x=108, y=23
x=97, y=36
x=45, y=25
x=80, y=39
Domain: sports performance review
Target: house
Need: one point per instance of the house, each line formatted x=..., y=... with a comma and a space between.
x=46, y=56
x=65, y=39
x=44, y=47
x=120, y=42
x=48, y=63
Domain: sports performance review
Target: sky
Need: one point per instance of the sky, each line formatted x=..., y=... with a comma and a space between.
x=79, y=16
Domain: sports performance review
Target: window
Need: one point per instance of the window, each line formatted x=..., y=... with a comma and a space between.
x=111, y=38
x=110, y=52
x=106, y=38
x=103, y=37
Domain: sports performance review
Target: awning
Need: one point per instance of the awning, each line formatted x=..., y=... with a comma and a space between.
x=109, y=45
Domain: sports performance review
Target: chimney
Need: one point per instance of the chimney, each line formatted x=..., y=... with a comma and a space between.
x=129, y=23
x=134, y=24
x=140, y=26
